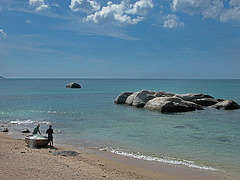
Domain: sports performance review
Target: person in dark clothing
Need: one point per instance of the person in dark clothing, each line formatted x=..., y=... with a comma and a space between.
x=36, y=130
x=50, y=135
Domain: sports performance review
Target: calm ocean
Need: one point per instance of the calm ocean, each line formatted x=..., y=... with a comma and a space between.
x=208, y=139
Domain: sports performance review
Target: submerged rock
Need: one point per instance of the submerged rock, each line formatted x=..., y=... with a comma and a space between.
x=66, y=153
x=226, y=105
x=171, y=104
x=73, y=85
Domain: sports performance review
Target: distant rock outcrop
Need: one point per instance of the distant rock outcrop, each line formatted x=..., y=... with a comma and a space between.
x=170, y=102
x=1, y=77
x=73, y=85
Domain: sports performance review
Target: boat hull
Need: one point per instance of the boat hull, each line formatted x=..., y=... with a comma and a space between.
x=35, y=142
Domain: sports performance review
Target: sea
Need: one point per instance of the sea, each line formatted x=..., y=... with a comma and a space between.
x=206, y=139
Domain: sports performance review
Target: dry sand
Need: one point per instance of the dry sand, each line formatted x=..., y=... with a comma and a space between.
x=17, y=161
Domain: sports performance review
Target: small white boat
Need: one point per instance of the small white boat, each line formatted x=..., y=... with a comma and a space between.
x=36, y=140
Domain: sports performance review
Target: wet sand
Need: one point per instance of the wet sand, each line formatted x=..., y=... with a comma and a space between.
x=17, y=161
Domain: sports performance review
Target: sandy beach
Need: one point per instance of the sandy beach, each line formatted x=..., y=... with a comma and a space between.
x=20, y=162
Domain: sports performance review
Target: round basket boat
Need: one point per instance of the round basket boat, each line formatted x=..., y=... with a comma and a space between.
x=36, y=140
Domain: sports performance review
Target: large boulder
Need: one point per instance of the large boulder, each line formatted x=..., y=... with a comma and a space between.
x=129, y=100
x=206, y=101
x=121, y=99
x=163, y=94
x=171, y=104
x=226, y=105
x=73, y=85
x=139, y=99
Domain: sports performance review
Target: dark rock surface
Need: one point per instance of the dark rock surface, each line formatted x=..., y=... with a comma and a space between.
x=121, y=99
x=73, y=85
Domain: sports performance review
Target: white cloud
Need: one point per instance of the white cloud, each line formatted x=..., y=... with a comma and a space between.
x=2, y=34
x=172, y=21
x=214, y=9
x=190, y=6
x=140, y=7
x=232, y=14
x=28, y=21
x=234, y=3
x=86, y=6
x=120, y=14
x=39, y=5
x=209, y=9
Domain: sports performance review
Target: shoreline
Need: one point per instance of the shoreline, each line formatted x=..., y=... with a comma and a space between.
x=89, y=164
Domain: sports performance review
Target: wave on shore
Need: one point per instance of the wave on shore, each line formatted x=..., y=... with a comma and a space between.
x=165, y=160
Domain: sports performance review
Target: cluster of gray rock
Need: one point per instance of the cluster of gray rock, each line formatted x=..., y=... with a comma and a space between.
x=170, y=102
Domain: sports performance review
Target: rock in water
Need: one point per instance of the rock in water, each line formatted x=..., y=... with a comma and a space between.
x=139, y=99
x=226, y=105
x=121, y=99
x=73, y=85
x=171, y=104
x=25, y=131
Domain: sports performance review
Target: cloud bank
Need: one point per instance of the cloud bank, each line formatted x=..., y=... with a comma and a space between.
x=209, y=9
x=118, y=14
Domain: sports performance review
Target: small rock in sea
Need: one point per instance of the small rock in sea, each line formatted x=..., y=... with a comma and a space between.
x=25, y=131
x=73, y=85
x=5, y=130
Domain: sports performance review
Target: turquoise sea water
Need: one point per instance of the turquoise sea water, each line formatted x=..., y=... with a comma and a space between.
x=208, y=139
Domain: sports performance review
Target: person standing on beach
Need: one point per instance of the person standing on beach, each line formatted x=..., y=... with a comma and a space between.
x=50, y=135
x=36, y=130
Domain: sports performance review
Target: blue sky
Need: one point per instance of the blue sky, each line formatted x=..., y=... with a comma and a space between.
x=128, y=38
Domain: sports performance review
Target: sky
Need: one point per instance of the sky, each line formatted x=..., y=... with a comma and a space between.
x=120, y=39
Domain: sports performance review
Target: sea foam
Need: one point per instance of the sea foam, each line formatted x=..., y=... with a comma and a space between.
x=166, y=160
x=28, y=121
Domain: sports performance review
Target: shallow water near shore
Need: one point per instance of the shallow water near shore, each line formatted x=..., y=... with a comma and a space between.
x=207, y=139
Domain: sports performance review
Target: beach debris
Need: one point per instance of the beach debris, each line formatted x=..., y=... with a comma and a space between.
x=167, y=102
x=5, y=130
x=73, y=85
x=66, y=153
x=25, y=131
